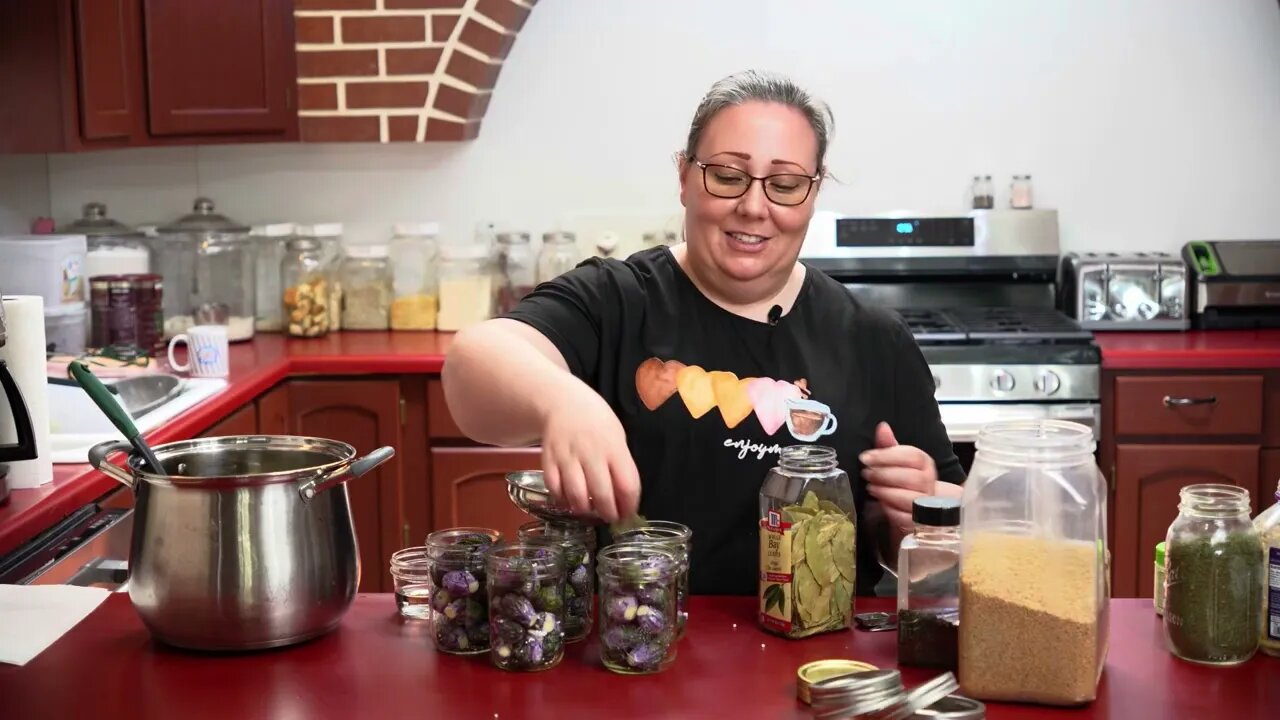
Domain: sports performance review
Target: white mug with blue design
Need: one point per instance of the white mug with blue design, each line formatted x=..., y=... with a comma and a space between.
x=207, y=351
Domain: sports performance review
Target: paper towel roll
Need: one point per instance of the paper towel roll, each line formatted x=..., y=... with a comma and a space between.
x=24, y=352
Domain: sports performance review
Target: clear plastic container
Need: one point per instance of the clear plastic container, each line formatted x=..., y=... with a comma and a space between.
x=1268, y=526
x=579, y=590
x=559, y=255
x=366, y=288
x=416, y=301
x=678, y=539
x=329, y=236
x=223, y=289
x=304, y=279
x=51, y=266
x=808, y=538
x=64, y=328
x=1213, y=577
x=1033, y=565
x=270, y=243
x=411, y=575
x=466, y=286
x=929, y=585
x=459, y=596
x=638, y=587
x=526, y=606
x=515, y=268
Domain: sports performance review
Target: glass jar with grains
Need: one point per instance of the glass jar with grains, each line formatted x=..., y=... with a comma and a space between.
x=413, y=276
x=807, y=542
x=1033, y=565
x=929, y=585
x=366, y=288
x=1268, y=526
x=305, y=282
x=466, y=286
x=1213, y=577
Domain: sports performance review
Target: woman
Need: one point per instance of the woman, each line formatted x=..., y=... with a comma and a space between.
x=673, y=371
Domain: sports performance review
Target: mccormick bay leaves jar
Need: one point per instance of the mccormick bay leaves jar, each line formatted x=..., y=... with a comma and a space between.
x=929, y=585
x=459, y=600
x=305, y=294
x=579, y=589
x=526, y=606
x=1213, y=577
x=638, y=587
x=1033, y=565
x=413, y=276
x=807, y=544
x=678, y=539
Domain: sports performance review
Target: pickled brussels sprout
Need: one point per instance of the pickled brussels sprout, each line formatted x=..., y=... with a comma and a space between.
x=526, y=607
x=637, y=636
x=459, y=602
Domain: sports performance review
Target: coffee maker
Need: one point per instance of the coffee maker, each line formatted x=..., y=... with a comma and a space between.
x=25, y=447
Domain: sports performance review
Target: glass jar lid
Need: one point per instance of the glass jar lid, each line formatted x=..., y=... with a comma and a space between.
x=273, y=230
x=559, y=237
x=322, y=230
x=513, y=238
x=417, y=228
x=464, y=251
x=204, y=219
x=366, y=252
x=95, y=223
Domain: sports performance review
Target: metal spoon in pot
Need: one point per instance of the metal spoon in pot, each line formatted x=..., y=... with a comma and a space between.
x=118, y=416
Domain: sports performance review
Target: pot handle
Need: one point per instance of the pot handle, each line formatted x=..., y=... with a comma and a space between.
x=316, y=485
x=98, y=455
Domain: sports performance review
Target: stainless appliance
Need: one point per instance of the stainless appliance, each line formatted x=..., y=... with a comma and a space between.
x=978, y=292
x=1134, y=291
x=24, y=448
x=1234, y=283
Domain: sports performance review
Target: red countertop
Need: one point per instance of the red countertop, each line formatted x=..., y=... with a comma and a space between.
x=376, y=665
x=1190, y=350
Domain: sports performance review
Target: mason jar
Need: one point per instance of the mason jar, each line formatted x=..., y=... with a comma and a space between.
x=638, y=587
x=1213, y=577
x=526, y=606
x=304, y=282
x=411, y=575
x=459, y=607
x=808, y=532
x=579, y=589
x=678, y=539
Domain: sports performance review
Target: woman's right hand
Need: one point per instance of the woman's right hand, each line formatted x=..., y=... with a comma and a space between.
x=585, y=459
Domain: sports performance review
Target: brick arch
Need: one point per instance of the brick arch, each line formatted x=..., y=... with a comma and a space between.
x=400, y=70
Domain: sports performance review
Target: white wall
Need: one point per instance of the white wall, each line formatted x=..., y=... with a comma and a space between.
x=1145, y=122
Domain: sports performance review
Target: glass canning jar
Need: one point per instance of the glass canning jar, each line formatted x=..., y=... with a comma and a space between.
x=515, y=270
x=459, y=600
x=929, y=585
x=304, y=296
x=579, y=589
x=411, y=574
x=559, y=255
x=270, y=243
x=638, y=587
x=1213, y=577
x=413, y=276
x=678, y=539
x=526, y=605
x=366, y=288
x=222, y=290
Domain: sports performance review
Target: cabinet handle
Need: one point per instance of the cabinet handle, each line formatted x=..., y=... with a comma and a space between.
x=1181, y=401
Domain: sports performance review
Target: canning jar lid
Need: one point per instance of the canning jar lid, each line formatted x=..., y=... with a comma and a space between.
x=204, y=219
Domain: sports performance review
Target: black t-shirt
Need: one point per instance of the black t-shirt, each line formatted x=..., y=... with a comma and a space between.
x=702, y=394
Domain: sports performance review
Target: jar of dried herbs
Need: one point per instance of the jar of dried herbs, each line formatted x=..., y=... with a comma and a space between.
x=929, y=585
x=1213, y=580
x=807, y=539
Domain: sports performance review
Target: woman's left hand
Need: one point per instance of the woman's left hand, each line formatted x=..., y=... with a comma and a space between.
x=896, y=475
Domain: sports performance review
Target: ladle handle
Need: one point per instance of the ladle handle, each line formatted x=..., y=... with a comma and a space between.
x=114, y=412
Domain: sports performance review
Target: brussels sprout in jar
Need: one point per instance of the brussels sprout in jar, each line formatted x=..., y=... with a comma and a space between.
x=526, y=606
x=678, y=539
x=579, y=587
x=638, y=616
x=459, y=612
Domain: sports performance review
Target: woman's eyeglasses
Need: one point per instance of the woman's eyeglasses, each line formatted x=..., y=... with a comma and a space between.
x=728, y=182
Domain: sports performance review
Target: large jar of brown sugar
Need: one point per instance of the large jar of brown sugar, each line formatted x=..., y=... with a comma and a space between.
x=1033, y=566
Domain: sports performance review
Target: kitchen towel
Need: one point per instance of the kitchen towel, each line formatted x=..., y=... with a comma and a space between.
x=33, y=617
x=24, y=352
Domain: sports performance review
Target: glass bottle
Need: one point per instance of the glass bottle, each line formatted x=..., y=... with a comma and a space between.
x=559, y=255
x=466, y=286
x=526, y=606
x=413, y=279
x=579, y=589
x=929, y=585
x=638, y=587
x=304, y=280
x=808, y=532
x=1033, y=565
x=515, y=268
x=1268, y=526
x=366, y=288
x=1213, y=577
x=678, y=539
x=459, y=598
x=270, y=243
x=329, y=236
x=222, y=289
x=1020, y=192
x=658, y=238
x=411, y=575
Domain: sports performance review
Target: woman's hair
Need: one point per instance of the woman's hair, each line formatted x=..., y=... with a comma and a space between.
x=761, y=86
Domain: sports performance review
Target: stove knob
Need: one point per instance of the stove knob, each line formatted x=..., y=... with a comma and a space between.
x=1048, y=382
x=1002, y=381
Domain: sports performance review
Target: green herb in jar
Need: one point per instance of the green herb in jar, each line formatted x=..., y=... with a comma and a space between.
x=1213, y=600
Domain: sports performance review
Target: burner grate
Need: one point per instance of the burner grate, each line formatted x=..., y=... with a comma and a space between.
x=993, y=324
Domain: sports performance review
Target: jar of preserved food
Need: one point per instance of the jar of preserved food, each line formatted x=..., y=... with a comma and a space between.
x=413, y=276
x=929, y=585
x=1033, y=565
x=459, y=597
x=516, y=269
x=1268, y=526
x=559, y=255
x=1213, y=577
x=579, y=589
x=808, y=530
x=366, y=288
x=329, y=237
x=526, y=606
x=411, y=575
x=270, y=242
x=466, y=286
x=222, y=291
x=638, y=587
x=676, y=538
x=304, y=278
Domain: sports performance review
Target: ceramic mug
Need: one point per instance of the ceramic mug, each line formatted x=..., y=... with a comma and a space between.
x=207, y=351
x=809, y=420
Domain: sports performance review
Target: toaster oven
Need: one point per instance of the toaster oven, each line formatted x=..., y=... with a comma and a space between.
x=1113, y=291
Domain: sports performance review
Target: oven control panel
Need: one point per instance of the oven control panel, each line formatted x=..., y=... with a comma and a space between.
x=981, y=382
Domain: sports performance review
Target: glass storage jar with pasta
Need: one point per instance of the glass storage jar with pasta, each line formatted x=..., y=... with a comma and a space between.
x=366, y=288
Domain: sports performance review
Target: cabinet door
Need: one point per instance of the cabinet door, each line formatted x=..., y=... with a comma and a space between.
x=109, y=68
x=241, y=422
x=1148, y=478
x=366, y=415
x=469, y=487
x=1268, y=480
x=219, y=67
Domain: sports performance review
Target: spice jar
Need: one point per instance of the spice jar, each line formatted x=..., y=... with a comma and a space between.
x=270, y=243
x=1268, y=526
x=579, y=589
x=638, y=587
x=678, y=539
x=413, y=276
x=305, y=298
x=459, y=599
x=516, y=270
x=366, y=288
x=929, y=585
x=411, y=574
x=1033, y=586
x=466, y=286
x=1020, y=192
x=526, y=606
x=1213, y=580
x=559, y=255
x=807, y=543
x=329, y=237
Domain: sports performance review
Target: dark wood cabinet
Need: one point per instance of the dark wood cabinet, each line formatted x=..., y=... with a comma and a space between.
x=241, y=422
x=1268, y=479
x=469, y=486
x=109, y=69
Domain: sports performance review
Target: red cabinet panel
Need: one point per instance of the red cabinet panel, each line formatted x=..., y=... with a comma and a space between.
x=469, y=486
x=109, y=68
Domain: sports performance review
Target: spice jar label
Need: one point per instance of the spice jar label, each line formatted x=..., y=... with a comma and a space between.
x=775, y=572
x=806, y=568
x=1273, y=594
